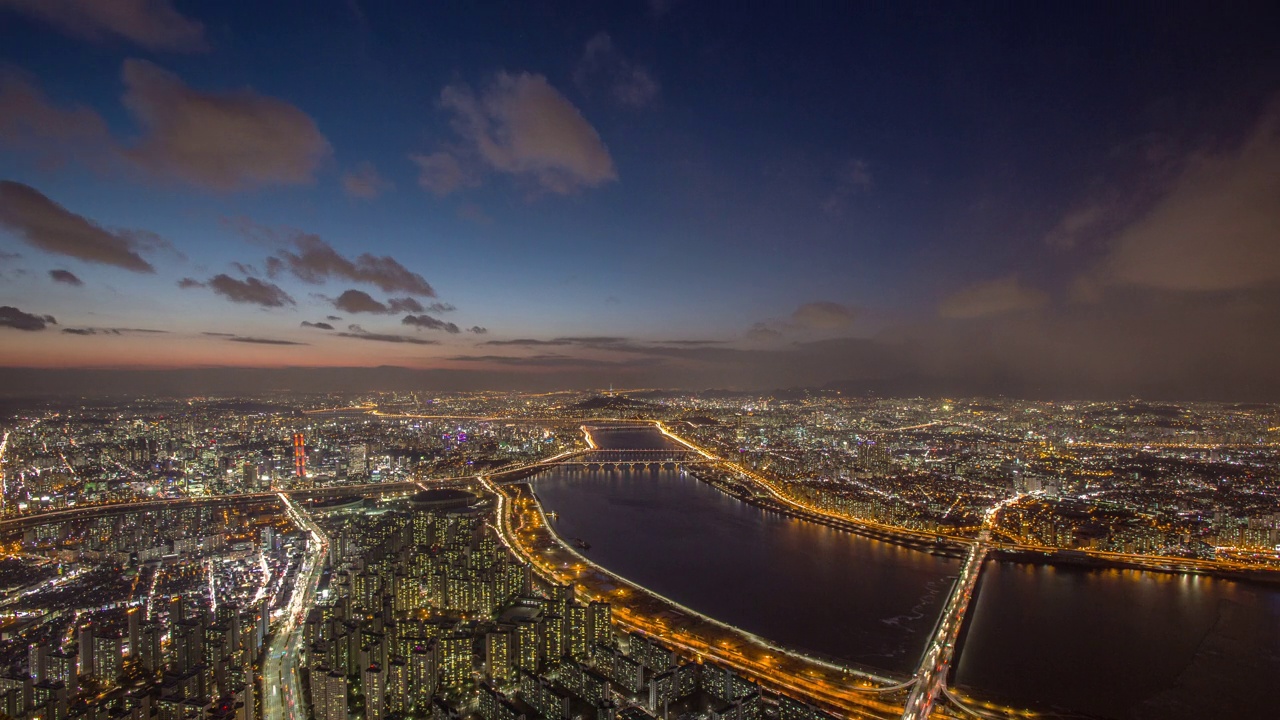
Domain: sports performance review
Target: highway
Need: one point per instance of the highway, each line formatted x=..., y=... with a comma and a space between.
x=282, y=689
x=1159, y=563
x=847, y=691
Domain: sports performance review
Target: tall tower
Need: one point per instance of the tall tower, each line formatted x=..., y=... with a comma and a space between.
x=300, y=455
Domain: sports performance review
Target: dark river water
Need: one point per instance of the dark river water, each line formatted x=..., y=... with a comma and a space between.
x=1124, y=643
x=796, y=583
x=1102, y=643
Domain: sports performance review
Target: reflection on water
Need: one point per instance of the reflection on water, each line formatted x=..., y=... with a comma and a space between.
x=1124, y=643
x=796, y=583
x=1107, y=643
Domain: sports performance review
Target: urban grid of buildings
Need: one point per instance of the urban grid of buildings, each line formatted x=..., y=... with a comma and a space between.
x=152, y=549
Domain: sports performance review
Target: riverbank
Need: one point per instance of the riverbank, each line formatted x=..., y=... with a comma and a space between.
x=840, y=688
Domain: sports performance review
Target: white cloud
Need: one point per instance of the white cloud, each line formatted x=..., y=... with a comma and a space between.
x=523, y=126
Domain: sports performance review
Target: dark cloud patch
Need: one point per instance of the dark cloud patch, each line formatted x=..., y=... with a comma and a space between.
x=585, y=341
x=317, y=325
x=692, y=343
x=761, y=332
x=112, y=331
x=30, y=124
x=552, y=361
x=262, y=341
x=406, y=304
x=48, y=226
x=359, y=333
x=426, y=322
x=439, y=307
x=526, y=342
x=476, y=329
x=223, y=141
x=15, y=319
x=312, y=260
x=358, y=301
x=187, y=283
x=65, y=276
x=218, y=334
x=153, y=24
x=594, y=340
x=332, y=318
x=250, y=291
x=148, y=241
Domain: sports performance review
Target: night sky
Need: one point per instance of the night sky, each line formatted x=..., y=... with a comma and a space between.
x=1036, y=199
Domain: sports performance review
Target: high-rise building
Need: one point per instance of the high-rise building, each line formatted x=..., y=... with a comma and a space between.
x=85, y=641
x=374, y=692
x=600, y=623
x=455, y=659
x=61, y=668
x=299, y=455
x=422, y=677
x=149, y=654
x=249, y=476
x=108, y=658
x=499, y=656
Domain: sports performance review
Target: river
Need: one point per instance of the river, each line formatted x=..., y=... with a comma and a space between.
x=800, y=584
x=1102, y=643
x=1123, y=644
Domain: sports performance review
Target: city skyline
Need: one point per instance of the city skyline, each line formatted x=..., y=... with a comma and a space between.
x=638, y=556
x=1041, y=202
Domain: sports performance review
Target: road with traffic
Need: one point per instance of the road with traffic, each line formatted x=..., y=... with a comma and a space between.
x=282, y=686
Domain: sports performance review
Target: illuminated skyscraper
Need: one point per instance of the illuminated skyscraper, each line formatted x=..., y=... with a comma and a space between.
x=300, y=455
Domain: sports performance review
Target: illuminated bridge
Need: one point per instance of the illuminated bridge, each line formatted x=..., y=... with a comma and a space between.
x=611, y=459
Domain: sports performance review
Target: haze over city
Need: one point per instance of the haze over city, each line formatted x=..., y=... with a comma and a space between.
x=639, y=360
x=1038, y=201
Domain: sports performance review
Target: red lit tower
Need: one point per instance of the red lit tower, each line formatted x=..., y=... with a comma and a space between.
x=300, y=455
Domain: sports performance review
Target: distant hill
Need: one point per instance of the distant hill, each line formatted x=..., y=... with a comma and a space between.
x=612, y=402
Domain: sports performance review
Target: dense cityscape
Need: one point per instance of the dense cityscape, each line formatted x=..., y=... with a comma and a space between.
x=639, y=360
x=1195, y=481
x=385, y=555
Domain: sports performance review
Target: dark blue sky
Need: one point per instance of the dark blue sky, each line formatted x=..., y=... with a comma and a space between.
x=1006, y=197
